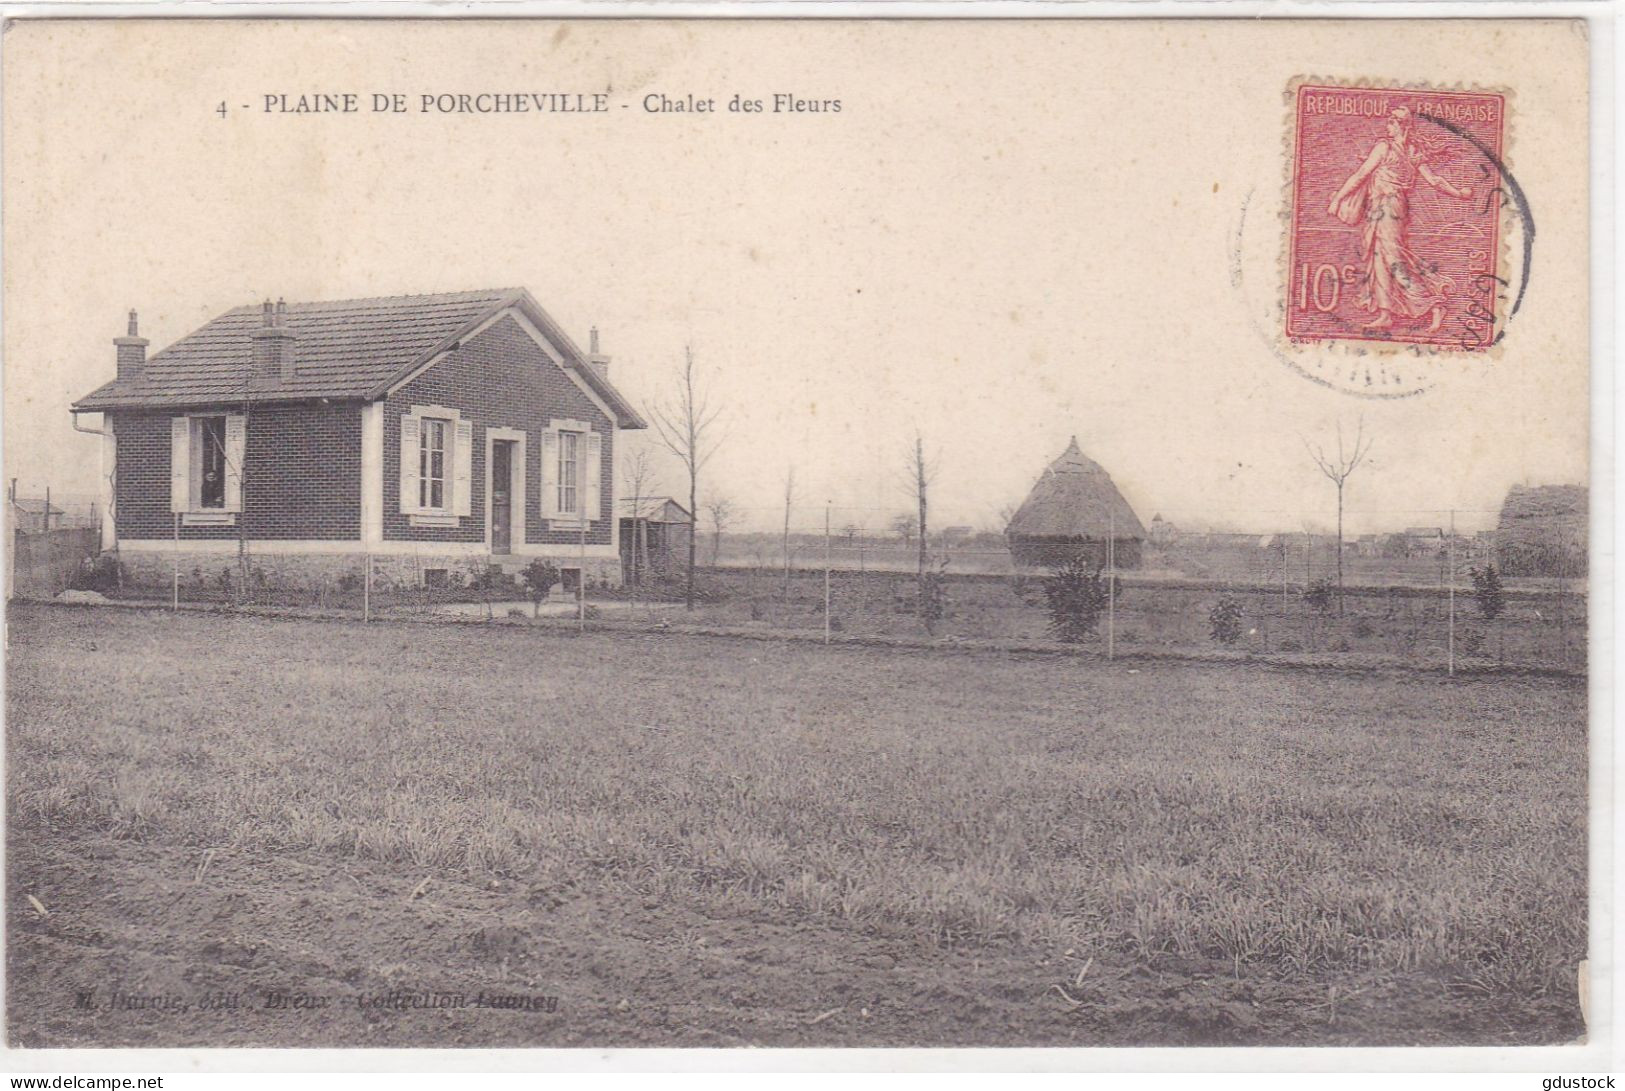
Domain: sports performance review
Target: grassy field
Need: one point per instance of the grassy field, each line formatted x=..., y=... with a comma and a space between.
x=696, y=841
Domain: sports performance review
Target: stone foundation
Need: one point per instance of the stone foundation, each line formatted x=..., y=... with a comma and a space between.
x=154, y=568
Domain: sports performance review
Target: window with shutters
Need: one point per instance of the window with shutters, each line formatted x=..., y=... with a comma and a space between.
x=432, y=464
x=569, y=473
x=572, y=471
x=206, y=468
x=437, y=450
x=209, y=441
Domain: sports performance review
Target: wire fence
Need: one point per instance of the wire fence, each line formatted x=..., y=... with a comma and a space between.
x=1422, y=597
x=1525, y=627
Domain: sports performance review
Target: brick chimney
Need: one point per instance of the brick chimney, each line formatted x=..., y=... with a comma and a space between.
x=274, y=344
x=132, y=352
x=599, y=362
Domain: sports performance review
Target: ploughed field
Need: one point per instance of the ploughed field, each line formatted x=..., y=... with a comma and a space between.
x=230, y=830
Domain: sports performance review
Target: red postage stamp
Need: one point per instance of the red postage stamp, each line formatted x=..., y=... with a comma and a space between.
x=1396, y=217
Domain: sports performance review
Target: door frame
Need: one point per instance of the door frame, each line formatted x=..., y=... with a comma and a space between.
x=516, y=486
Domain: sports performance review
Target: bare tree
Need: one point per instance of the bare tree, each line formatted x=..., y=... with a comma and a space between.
x=1338, y=470
x=721, y=511
x=686, y=427
x=920, y=476
x=902, y=525
x=928, y=585
x=789, y=499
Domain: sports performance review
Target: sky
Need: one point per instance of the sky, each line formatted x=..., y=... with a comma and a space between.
x=1011, y=234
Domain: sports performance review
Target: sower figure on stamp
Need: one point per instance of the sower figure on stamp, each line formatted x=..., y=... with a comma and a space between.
x=1378, y=194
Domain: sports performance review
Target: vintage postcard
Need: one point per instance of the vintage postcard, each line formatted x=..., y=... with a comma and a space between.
x=798, y=533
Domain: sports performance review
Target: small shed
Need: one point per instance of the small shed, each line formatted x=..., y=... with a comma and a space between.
x=1074, y=510
x=654, y=537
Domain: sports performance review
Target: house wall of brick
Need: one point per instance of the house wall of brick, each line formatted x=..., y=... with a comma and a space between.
x=498, y=379
x=301, y=475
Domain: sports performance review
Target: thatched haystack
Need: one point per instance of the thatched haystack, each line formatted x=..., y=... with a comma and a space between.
x=1071, y=512
x=1543, y=531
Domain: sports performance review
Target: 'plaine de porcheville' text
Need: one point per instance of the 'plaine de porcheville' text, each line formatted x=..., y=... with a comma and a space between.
x=451, y=103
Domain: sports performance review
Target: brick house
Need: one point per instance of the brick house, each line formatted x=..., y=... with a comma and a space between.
x=431, y=432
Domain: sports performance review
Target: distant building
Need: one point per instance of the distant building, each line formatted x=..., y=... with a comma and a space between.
x=1543, y=531
x=34, y=516
x=1073, y=511
x=1225, y=539
x=1162, y=533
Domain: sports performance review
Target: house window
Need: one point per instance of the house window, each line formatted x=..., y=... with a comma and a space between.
x=432, y=464
x=209, y=440
x=572, y=469
x=569, y=474
x=206, y=468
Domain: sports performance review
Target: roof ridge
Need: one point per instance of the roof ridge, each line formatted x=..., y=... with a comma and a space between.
x=460, y=296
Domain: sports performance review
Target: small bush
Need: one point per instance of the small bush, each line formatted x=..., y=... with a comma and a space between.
x=1364, y=629
x=539, y=576
x=1224, y=621
x=1075, y=597
x=487, y=579
x=98, y=573
x=933, y=592
x=1488, y=592
x=1321, y=594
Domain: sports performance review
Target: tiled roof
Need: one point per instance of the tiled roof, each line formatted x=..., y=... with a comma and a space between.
x=350, y=348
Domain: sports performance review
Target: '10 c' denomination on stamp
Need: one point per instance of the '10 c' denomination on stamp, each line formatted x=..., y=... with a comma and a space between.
x=1396, y=216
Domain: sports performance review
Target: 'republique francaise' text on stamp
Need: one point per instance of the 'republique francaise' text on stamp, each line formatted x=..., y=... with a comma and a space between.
x=1396, y=204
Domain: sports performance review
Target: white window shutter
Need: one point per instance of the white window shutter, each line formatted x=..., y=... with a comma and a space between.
x=409, y=465
x=236, y=444
x=180, y=464
x=550, y=474
x=462, y=492
x=591, y=471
